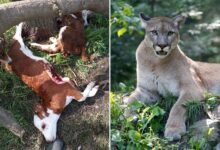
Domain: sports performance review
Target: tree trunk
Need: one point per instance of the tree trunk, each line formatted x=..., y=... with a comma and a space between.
x=8, y=121
x=16, y=12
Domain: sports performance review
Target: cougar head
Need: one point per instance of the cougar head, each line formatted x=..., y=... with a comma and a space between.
x=161, y=33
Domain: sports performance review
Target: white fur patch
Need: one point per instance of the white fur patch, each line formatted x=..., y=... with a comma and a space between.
x=87, y=90
x=157, y=48
x=69, y=100
x=166, y=49
x=73, y=16
x=47, y=125
x=53, y=39
x=61, y=32
x=85, y=14
x=143, y=24
x=45, y=46
x=66, y=79
x=23, y=47
x=93, y=91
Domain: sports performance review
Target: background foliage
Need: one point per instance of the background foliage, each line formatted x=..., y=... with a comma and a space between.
x=200, y=35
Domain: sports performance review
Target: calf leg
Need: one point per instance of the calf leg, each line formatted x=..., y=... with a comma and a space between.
x=89, y=91
x=50, y=48
x=5, y=62
x=84, y=55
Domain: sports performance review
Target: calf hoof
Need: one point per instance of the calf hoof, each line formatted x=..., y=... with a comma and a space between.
x=85, y=58
x=174, y=133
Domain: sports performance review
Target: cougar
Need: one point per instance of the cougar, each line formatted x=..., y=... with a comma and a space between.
x=162, y=69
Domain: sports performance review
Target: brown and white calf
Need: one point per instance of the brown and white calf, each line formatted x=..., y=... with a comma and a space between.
x=71, y=37
x=56, y=92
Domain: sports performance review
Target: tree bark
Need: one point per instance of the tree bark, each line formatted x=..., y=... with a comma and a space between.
x=8, y=121
x=16, y=12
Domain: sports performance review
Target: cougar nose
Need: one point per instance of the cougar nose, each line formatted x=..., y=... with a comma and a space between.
x=162, y=46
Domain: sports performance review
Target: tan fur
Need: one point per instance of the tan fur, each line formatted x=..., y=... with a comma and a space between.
x=177, y=74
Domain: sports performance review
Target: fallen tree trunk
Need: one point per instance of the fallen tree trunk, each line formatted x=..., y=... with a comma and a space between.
x=16, y=12
x=7, y=120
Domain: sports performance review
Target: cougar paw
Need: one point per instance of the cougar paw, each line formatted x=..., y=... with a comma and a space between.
x=127, y=100
x=174, y=132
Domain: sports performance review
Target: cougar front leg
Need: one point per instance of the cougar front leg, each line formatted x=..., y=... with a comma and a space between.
x=142, y=95
x=175, y=126
x=139, y=94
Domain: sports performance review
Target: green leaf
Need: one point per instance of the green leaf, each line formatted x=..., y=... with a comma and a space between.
x=136, y=105
x=134, y=135
x=157, y=111
x=116, y=136
x=210, y=131
x=121, y=31
x=58, y=58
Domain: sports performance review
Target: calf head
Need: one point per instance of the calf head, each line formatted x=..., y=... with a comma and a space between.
x=46, y=122
x=73, y=20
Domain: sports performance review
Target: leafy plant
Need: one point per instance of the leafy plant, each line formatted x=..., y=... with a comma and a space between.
x=211, y=101
x=143, y=132
x=201, y=144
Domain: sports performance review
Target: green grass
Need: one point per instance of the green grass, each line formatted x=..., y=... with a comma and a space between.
x=195, y=111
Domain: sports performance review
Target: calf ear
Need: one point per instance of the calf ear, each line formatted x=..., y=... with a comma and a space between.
x=144, y=19
x=178, y=20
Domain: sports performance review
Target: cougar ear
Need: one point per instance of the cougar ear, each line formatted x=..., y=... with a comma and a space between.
x=178, y=20
x=144, y=19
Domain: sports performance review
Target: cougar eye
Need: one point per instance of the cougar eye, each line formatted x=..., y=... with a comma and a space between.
x=170, y=33
x=154, y=32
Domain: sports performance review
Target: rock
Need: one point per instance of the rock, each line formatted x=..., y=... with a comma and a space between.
x=217, y=147
x=206, y=128
x=58, y=144
x=215, y=113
